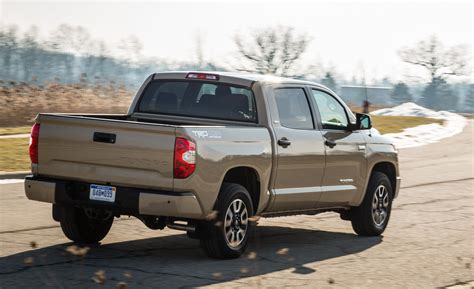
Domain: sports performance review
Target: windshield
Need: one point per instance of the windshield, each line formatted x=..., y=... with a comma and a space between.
x=199, y=99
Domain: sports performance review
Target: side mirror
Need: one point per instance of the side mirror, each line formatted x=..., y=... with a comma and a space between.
x=363, y=121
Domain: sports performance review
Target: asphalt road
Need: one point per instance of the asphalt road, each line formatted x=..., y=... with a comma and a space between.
x=429, y=241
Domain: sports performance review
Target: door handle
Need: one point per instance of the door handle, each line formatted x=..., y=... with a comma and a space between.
x=104, y=137
x=284, y=142
x=330, y=143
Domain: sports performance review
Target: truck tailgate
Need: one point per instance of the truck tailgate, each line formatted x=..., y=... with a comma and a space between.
x=140, y=156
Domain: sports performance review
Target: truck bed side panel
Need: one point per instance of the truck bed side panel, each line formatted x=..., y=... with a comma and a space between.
x=219, y=149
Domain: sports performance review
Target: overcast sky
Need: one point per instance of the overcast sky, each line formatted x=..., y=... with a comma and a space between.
x=349, y=36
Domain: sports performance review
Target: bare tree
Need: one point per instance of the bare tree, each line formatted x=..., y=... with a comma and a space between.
x=436, y=59
x=81, y=41
x=199, y=51
x=31, y=50
x=100, y=54
x=61, y=41
x=329, y=80
x=440, y=63
x=272, y=50
x=130, y=50
x=8, y=45
x=202, y=63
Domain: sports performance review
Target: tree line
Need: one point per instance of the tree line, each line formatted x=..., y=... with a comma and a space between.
x=70, y=54
x=277, y=50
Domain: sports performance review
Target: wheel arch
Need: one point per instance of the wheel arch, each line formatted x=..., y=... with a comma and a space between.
x=247, y=177
x=387, y=167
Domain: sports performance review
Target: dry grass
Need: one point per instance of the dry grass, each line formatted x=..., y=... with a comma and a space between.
x=14, y=130
x=14, y=154
x=20, y=102
x=395, y=124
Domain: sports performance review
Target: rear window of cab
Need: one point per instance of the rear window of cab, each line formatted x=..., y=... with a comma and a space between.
x=199, y=99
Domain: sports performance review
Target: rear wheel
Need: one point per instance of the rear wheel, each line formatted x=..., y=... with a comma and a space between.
x=227, y=236
x=372, y=216
x=85, y=225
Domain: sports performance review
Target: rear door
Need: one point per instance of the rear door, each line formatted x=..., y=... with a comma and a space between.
x=345, y=170
x=300, y=150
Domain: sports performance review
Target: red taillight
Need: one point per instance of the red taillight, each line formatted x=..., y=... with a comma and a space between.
x=205, y=76
x=184, y=158
x=35, y=130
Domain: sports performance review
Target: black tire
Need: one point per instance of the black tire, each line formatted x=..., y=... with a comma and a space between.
x=364, y=218
x=213, y=233
x=79, y=228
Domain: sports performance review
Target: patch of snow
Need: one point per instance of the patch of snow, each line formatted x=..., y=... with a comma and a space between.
x=453, y=123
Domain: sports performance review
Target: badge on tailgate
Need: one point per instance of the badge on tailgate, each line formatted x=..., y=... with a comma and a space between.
x=102, y=193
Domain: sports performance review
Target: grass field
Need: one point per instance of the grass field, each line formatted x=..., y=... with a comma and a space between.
x=14, y=154
x=14, y=151
x=14, y=130
x=395, y=124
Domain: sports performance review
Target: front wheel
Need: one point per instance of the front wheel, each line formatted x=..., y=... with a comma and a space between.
x=371, y=217
x=85, y=226
x=227, y=236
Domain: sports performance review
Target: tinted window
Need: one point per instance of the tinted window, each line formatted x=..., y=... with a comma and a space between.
x=199, y=99
x=293, y=108
x=333, y=114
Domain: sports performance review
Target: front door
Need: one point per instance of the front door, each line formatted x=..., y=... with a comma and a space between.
x=300, y=151
x=345, y=172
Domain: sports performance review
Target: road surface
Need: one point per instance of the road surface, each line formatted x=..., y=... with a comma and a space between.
x=428, y=243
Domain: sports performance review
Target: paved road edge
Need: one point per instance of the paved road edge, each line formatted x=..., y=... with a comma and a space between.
x=14, y=175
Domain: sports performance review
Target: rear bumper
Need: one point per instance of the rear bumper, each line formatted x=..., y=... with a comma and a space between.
x=128, y=201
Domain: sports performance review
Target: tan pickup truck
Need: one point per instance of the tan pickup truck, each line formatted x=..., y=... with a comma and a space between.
x=209, y=152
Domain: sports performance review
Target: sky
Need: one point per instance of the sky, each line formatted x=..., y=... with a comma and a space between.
x=352, y=37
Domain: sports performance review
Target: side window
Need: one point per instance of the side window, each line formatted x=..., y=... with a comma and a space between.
x=293, y=108
x=333, y=114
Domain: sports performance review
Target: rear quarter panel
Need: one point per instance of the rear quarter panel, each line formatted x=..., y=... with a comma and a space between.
x=219, y=149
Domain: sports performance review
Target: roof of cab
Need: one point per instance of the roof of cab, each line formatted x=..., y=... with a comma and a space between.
x=239, y=78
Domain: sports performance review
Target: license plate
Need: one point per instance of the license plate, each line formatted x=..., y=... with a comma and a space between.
x=102, y=193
